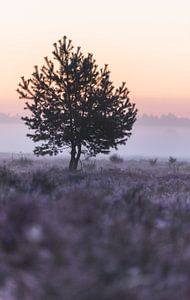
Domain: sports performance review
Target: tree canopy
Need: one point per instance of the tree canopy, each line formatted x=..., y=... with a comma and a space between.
x=73, y=103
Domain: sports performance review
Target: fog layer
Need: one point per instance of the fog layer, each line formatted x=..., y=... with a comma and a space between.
x=151, y=136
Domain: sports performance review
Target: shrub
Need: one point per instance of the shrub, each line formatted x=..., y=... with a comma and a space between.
x=116, y=159
x=153, y=161
x=172, y=164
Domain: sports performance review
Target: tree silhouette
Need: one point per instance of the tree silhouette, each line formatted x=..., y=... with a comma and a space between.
x=74, y=104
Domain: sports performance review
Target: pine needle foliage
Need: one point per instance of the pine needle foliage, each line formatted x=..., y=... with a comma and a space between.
x=73, y=103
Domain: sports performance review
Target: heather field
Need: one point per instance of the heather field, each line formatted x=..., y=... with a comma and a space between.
x=113, y=230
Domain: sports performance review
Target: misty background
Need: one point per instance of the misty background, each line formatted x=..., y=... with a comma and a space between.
x=152, y=136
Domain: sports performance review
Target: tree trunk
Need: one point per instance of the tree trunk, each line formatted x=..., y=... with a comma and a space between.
x=76, y=161
x=72, y=160
x=75, y=156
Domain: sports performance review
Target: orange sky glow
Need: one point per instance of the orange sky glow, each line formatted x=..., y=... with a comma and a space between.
x=145, y=42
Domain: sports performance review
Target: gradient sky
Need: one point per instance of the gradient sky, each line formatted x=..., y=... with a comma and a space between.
x=145, y=42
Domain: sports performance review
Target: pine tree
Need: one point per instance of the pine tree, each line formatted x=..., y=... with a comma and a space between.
x=74, y=104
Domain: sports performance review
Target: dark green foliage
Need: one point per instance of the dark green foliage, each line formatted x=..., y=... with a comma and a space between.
x=74, y=104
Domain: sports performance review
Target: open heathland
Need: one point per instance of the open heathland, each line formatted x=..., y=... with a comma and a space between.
x=112, y=230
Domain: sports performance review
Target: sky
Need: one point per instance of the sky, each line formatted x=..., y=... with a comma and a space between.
x=146, y=43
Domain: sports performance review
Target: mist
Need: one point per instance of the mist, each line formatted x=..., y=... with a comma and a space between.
x=151, y=137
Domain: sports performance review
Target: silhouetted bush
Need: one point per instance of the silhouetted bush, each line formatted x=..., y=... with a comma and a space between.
x=153, y=161
x=116, y=159
x=172, y=162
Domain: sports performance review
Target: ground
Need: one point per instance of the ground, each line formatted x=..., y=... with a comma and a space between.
x=109, y=231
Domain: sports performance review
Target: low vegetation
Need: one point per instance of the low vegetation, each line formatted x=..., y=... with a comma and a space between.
x=116, y=159
x=108, y=231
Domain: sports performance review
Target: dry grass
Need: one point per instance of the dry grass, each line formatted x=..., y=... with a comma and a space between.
x=102, y=233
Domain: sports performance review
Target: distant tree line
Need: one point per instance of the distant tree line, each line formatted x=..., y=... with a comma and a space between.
x=163, y=120
x=5, y=118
